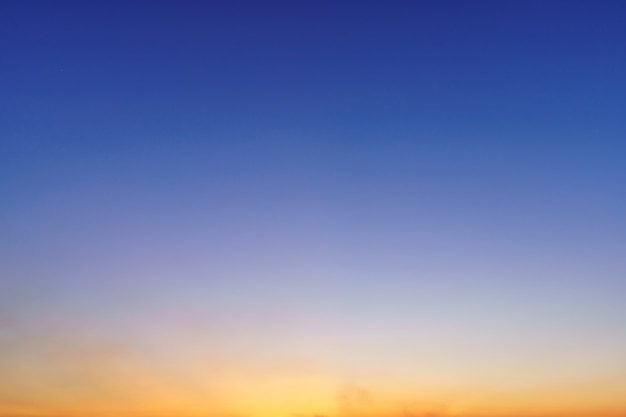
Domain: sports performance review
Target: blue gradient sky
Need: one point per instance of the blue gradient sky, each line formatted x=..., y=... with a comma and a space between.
x=421, y=199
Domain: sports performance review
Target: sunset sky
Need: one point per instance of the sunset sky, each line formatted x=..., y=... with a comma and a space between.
x=313, y=208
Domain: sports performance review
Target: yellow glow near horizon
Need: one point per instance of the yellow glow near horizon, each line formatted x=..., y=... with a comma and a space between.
x=63, y=372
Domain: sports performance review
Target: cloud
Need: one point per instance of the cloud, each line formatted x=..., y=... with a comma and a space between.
x=353, y=397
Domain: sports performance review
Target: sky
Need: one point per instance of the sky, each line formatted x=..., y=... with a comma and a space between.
x=312, y=208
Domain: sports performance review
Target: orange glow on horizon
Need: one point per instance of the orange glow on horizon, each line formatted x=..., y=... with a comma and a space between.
x=65, y=373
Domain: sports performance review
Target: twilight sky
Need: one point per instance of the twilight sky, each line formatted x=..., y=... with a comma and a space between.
x=288, y=209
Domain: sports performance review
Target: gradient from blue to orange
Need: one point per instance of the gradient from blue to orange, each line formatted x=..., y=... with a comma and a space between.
x=294, y=208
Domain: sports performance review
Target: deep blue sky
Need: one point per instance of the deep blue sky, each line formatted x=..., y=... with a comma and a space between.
x=472, y=102
x=117, y=72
